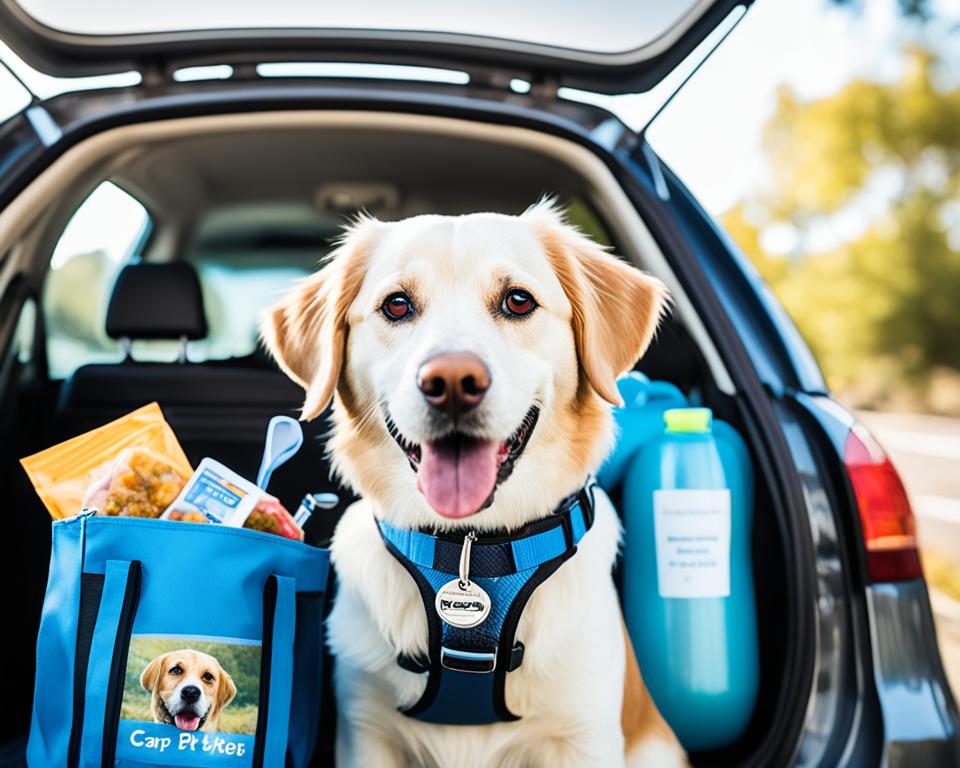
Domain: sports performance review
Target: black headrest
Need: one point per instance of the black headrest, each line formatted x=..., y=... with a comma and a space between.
x=156, y=301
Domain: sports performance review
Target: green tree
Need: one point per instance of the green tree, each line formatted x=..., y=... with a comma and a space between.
x=881, y=311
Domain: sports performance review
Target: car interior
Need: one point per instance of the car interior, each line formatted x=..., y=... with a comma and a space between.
x=234, y=209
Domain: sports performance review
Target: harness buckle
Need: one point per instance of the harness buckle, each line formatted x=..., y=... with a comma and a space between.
x=473, y=662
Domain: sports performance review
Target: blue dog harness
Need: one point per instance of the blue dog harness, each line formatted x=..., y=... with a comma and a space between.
x=468, y=668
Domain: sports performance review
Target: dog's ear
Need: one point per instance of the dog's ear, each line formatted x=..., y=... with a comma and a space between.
x=226, y=691
x=307, y=331
x=152, y=673
x=616, y=307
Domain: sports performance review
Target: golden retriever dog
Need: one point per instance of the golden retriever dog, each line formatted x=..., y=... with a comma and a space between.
x=188, y=689
x=472, y=363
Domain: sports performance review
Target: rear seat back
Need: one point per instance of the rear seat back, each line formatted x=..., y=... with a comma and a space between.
x=157, y=301
x=218, y=409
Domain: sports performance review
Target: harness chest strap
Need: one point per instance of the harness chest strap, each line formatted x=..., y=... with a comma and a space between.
x=467, y=668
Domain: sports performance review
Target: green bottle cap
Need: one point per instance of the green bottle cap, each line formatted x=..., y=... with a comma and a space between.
x=688, y=419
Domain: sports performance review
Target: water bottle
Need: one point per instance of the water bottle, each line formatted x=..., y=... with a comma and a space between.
x=639, y=420
x=688, y=595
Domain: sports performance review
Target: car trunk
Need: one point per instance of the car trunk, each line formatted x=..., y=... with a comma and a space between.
x=399, y=165
x=617, y=48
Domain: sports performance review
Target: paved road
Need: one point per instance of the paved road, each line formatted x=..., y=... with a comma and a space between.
x=926, y=451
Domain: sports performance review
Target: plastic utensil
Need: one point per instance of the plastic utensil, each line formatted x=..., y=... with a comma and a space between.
x=311, y=503
x=284, y=438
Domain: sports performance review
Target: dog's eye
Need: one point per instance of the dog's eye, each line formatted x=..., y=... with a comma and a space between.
x=397, y=306
x=518, y=303
x=176, y=670
x=207, y=677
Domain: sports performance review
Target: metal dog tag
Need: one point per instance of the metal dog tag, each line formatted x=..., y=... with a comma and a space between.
x=460, y=602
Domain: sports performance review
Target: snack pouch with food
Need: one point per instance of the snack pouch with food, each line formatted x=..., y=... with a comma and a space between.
x=132, y=466
x=137, y=484
x=217, y=494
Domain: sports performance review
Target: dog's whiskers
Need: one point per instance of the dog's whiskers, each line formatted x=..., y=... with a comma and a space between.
x=368, y=416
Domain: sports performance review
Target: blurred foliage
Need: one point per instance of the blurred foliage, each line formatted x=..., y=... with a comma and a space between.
x=942, y=573
x=916, y=9
x=881, y=308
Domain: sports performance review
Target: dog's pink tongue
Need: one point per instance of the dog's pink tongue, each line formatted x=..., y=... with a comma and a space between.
x=457, y=480
x=187, y=722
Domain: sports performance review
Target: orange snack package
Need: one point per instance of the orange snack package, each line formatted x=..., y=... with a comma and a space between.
x=133, y=466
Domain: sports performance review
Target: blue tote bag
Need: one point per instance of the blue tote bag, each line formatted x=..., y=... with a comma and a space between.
x=171, y=643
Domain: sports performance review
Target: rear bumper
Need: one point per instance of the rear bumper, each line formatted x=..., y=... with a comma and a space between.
x=920, y=720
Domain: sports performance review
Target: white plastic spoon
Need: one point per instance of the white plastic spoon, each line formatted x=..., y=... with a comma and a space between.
x=284, y=438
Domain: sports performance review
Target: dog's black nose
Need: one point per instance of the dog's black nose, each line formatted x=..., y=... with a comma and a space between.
x=190, y=693
x=454, y=381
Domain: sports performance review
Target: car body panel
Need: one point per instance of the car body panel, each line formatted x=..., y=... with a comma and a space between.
x=842, y=715
x=423, y=36
x=919, y=711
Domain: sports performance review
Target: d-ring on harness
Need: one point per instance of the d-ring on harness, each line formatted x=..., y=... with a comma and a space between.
x=474, y=589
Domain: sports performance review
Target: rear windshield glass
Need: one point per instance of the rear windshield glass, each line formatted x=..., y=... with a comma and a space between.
x=609, y=27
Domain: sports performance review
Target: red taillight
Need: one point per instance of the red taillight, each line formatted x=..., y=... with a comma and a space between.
x=889, y=530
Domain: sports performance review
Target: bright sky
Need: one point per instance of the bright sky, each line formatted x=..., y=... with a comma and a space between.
x=711, y=133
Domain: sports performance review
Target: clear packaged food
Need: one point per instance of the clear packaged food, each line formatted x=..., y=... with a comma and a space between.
x=140, y=446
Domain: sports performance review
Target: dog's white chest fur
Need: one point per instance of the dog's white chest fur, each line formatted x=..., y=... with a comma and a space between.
x=568, y=691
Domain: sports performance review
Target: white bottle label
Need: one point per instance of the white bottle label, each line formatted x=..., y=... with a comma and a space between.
x=692, y=531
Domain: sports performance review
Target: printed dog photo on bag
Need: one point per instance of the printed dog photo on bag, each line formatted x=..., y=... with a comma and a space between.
x=188, y=689
x=193, y=685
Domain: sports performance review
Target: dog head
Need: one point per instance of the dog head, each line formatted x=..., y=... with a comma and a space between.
x=189, y=689
x=472, y=361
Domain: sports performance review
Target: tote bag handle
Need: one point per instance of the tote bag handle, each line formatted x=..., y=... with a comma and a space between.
x=276, y=671
x=103, y=692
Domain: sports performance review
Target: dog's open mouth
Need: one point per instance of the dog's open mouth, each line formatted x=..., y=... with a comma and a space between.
x=185, y=719
x=459, y=474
